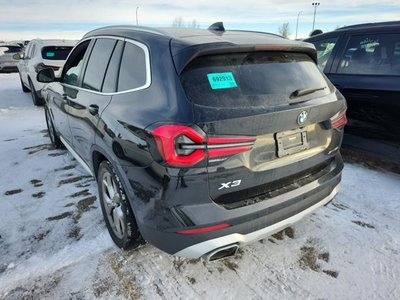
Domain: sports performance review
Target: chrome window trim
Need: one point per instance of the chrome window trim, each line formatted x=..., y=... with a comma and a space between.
x=147, y=63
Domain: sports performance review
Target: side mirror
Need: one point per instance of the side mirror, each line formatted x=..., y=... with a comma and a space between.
x=18, y=56
x=46, y=75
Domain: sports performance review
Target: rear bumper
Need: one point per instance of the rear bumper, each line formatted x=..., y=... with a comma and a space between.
x=203, y=248
x=248, y=223
x=8, y=67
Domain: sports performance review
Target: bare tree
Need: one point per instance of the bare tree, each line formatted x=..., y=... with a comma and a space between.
x=194, y=24
x=284, y=30
x=178, y=22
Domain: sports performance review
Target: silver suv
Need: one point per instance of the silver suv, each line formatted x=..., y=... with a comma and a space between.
x=7, y=61
x=38, y=55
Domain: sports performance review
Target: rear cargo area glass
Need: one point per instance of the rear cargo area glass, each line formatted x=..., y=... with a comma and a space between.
x=257, y=79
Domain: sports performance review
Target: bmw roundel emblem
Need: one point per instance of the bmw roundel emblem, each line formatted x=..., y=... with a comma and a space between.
x=302, y=118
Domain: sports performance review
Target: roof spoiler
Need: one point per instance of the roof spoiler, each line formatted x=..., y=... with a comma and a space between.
x=183, y=58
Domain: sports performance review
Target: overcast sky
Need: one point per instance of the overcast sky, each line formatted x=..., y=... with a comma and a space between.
x=72, y=18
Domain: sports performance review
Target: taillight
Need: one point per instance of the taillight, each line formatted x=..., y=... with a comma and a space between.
x=170, y=139
x=183, y=146
x=339, y=119
x=225, y=146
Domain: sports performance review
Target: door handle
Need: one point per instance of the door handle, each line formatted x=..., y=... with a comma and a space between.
x=93, y=109
x=64, y=97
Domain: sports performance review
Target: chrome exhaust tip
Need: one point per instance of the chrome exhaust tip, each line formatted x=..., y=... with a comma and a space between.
x=221, y=253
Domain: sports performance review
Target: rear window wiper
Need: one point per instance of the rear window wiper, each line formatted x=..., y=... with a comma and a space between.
x=303, y=92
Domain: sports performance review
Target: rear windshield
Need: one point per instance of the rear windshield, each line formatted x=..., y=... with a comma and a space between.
x=9, y=49
x=56, y=52
x=251, y=79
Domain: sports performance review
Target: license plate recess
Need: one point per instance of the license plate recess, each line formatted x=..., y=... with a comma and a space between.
x=291, y=142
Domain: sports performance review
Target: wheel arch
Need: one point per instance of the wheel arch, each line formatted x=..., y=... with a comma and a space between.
x=98, y=156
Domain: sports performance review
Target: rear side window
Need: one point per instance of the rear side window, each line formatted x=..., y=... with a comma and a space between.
x=132, y=73
x=110, y=81
x=55, y=52
x=373, y=54
x=27, y=51
x=251, y=79
x=97, y=64
x=33, y=50
x=324, y=49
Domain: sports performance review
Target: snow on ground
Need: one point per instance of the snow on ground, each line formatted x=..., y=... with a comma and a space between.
x=54, y=244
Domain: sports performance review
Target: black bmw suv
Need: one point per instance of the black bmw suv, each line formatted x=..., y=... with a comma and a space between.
x=201, y=140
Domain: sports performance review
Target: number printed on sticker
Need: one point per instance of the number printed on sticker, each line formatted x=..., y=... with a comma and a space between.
x=222, y=78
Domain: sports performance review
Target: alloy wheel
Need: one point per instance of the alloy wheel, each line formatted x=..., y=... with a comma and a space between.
x=50, y=127
x=113, y=205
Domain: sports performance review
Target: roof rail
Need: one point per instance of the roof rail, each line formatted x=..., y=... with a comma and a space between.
x=138, y=28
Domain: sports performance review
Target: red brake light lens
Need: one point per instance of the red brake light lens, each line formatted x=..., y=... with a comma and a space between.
x=183, y=146
x=339, y=119
x=204, y=229
x=225, y=146
x=165, y=137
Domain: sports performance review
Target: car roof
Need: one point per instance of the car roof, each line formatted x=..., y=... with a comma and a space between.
x=359, y=28
x=194, y=36
x=54, y=42
x=367, y=26
x=188, y=43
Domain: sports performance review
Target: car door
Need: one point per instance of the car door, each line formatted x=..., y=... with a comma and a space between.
x=22, y=66
x=59, y=93
x=31, y=62
x=367, y=72
x=96, y=90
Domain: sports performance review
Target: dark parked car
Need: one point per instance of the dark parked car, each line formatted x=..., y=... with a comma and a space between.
x=363, y=62
x=201, y=140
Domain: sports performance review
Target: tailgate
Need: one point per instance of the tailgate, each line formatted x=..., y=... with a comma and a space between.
x=282, y=100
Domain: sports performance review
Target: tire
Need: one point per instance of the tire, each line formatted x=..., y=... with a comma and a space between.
x=35, y=98
x=117, y=212
x=24, y=88
x=55, y=140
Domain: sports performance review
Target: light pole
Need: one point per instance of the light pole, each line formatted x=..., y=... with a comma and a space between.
x=297, y=23
x=315, y=5
x=137, y=22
